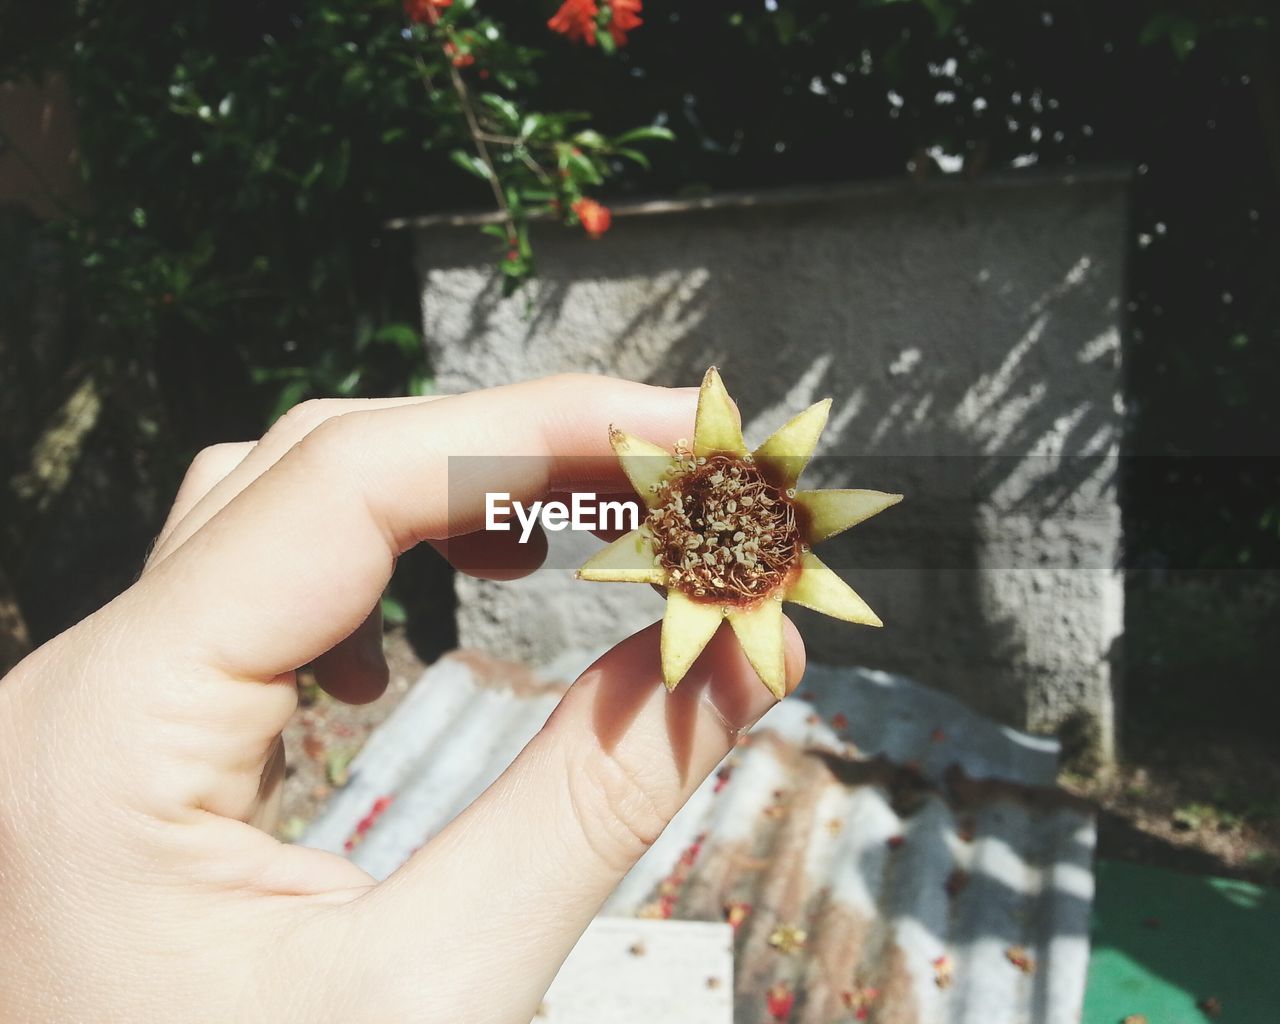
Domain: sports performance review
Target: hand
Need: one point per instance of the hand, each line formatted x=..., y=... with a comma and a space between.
x=137, y=747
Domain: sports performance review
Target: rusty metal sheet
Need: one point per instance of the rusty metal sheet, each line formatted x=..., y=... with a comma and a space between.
x=882, y=852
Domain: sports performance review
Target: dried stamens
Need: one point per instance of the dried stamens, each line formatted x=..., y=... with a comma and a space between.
x=723, y=531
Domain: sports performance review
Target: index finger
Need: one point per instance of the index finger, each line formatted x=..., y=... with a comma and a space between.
x=296, y=561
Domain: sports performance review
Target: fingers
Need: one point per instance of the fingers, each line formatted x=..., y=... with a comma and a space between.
x=495, y=556
x=253, y=461
x=298, y=559
x=523, y=870
x=207, y=470
x=354, y=670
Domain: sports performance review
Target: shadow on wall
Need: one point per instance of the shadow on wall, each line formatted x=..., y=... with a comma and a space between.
x=970, y=340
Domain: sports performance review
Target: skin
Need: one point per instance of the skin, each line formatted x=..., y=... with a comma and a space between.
x=138, y=748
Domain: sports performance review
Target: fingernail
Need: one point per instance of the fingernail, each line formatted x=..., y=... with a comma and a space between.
x=369, y=648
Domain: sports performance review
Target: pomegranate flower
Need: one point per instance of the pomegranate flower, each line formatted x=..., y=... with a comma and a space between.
x=422, y=12
x=595, y=217
x=624, y=17
x=728, y=535
x=458, y=58
x=576, y=20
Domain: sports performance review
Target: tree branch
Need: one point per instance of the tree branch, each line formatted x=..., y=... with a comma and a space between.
x=477, y=136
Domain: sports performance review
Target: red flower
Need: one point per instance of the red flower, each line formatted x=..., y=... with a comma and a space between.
x=423, y=11
x=595, y=217
x=459, y=60
x=625, y=17
x=576, y=20
x=735, y=913
x=779, y=1000
x=860, y=1001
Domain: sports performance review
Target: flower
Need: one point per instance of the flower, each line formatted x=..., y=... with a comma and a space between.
x=1021, y=959
x=624, y=17
x=735, y=913
x=860, y=1000
x=458, y=58
x=576, y=20
x=595, y=217
x=424, y=11
x=779, y=1000
x=788, y=939
x=728, y=535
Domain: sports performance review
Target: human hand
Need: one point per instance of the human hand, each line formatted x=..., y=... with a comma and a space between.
x=137, y=747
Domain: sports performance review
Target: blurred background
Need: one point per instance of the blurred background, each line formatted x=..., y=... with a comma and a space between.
x=208, y=213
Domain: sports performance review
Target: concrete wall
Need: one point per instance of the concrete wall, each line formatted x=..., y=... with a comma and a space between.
x=970, y=336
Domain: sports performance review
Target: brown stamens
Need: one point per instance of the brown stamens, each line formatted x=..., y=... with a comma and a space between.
x=722, y=531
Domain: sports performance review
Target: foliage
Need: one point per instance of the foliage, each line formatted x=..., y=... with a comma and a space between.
x=1189, y=630
x=241, y=164
x=243, y=158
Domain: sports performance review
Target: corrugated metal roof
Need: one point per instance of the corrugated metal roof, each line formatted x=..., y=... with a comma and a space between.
x=885, y=853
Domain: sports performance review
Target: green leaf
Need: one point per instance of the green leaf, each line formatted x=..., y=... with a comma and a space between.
x=503, y=108
x=266, y=374
x=653, y=131
x=289, y=396
x=336, y=766
x=784, y=23
x=347, y=386
x=421, y=384
x=471, y=164
x=401, y=336
x=634, y=155
x=312, y=175
x=582, y=166
x=1180, y=30
x=589, y=138
x=531, y=124
x=944, y=15
x=337, y=166
x=393, y=613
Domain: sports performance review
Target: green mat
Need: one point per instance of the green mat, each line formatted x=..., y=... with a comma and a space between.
x=1163, y=942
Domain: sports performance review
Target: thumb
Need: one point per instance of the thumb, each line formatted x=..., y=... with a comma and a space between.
x=506, y=890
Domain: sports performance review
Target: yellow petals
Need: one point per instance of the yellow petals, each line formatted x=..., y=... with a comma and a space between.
x=727, y=535
x=646, y=464
x=716, y=428
x=789, y=450
x=817, y=587
x=629, y=559
x=759, y=631
x=686, y=629
x=831, y=512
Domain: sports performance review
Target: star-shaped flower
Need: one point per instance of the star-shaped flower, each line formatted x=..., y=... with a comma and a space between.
x=729, y=536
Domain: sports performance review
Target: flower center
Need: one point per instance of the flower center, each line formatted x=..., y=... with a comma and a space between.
x=724, y=532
